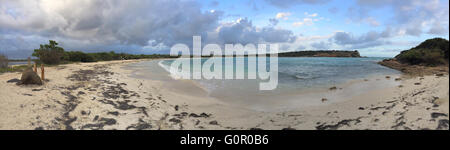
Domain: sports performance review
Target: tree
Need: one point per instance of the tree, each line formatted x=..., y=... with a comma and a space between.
x=49, y=53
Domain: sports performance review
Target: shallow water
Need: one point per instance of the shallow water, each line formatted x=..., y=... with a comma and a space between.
x=302, y=81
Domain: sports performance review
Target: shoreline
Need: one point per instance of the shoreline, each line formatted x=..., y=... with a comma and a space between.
x=334, y=93
x=102, y=95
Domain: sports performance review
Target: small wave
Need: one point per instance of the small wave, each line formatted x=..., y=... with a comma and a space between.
x=304, y=76
x=174, y=75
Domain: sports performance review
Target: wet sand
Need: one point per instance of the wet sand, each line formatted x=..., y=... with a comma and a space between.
x=108, y=95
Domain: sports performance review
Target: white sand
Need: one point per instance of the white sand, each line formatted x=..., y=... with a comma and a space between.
x=111, y=99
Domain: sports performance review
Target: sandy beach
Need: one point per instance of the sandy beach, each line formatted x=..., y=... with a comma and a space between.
x=109, y=96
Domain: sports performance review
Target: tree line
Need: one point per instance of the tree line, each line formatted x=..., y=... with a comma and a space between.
x=53, y=54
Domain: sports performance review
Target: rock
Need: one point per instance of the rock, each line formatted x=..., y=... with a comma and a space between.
x=13, y=81
x=443, y=124
x=398, y=79
x=440, y=74
x=400, y=86
x=417, y=83
x=214, y=123
x=108, y=121
x=288, y=128
x=333, y=88
x=115, y=113
x=175, y=120
x=30, y=77
x=176, y=107
x=324, y=100
x=202, y=115
x=361, y=108
x=436, y=115
x=256, y=129
x=388, y=77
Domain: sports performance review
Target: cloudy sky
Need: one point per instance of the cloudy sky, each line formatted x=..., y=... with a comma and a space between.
x=374, y=27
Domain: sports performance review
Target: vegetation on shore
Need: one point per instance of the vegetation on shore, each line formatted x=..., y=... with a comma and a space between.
x=53, y=54
x=429, y=57
x=431, y=52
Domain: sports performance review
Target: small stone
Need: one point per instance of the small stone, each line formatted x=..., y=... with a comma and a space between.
x=256, y=129
x=333, y=88
x=324, y=100
x=417, y=83
x=175, y=120
x=361, y=108
x=288, y=128
x=214, y=123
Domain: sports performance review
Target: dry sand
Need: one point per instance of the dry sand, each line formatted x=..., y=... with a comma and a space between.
x=87, y=96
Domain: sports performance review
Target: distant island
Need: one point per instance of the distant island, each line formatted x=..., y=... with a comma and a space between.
x=321, y=53
x=429, y=57
x=308, y=53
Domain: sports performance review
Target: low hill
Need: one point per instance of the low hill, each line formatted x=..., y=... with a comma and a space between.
x=429, y=57
x=431, y=52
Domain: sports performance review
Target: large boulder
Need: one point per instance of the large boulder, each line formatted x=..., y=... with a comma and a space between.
x=30, y=77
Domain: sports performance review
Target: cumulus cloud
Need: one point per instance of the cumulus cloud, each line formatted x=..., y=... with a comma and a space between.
x=321, y=45
x=283, y=15
x=123, y=25
x=130, y=22
x=369, y=39
x=413, y=17
x=305, y=21
x=243, y=31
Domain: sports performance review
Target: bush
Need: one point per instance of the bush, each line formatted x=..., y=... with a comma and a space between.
x=49, y=53
x=430, y=52
x=3, y=61
x=422, y=56
x=78, y=56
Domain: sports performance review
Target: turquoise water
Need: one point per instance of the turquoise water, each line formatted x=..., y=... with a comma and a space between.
x=302, y=72
x=302, y=81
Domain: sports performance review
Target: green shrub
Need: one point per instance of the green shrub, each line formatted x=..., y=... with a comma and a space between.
x=78, y=56
x=49, y=53
x=3, y=61
x=430, y=52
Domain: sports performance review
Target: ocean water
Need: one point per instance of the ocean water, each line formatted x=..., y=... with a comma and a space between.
x=301, y=81
x=18, y=63
x=301, y=72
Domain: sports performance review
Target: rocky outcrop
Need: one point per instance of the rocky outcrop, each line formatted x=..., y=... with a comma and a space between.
x=30, y=77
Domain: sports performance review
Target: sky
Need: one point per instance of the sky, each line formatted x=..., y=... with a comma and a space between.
x=376, y=28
